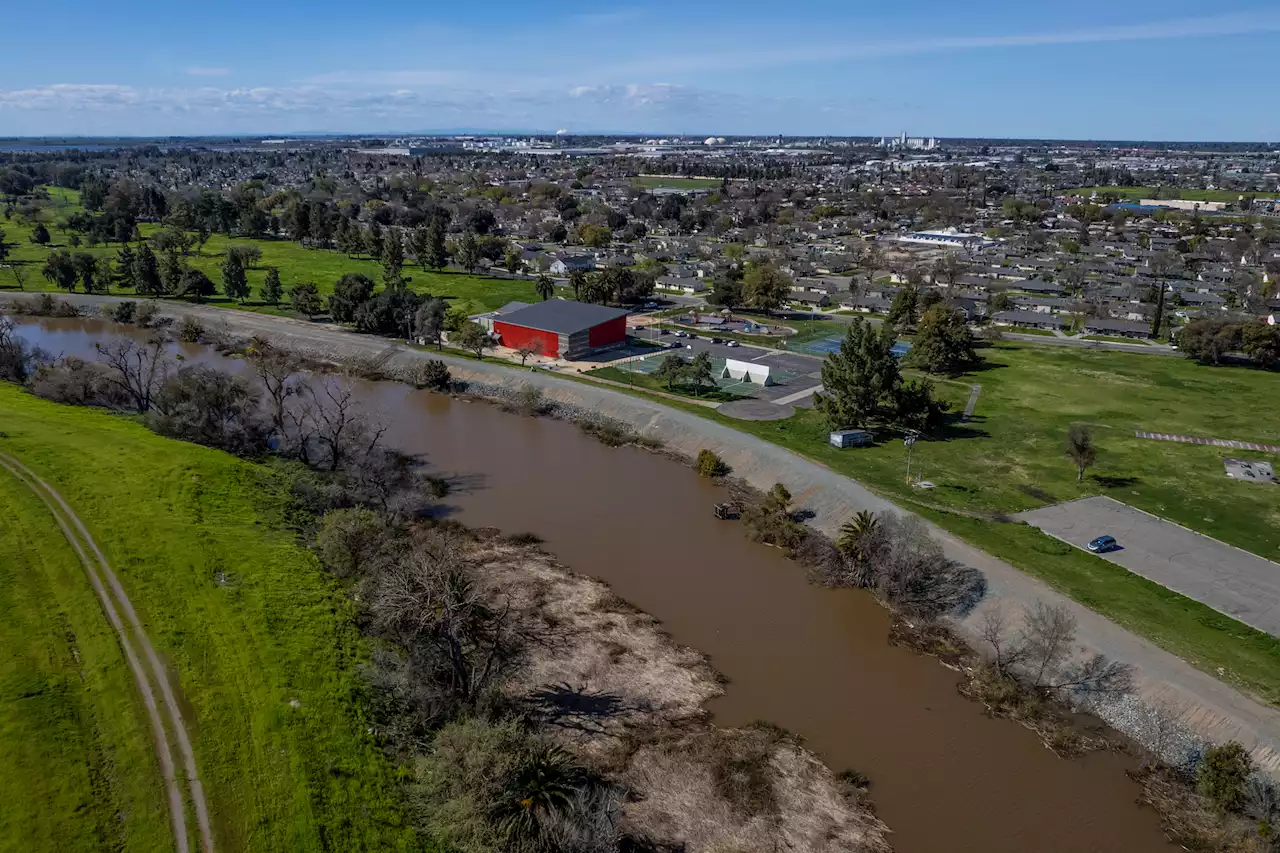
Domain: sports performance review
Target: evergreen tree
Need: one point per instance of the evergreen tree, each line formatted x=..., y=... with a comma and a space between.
x=350, y=292
x=429, y=320
x=1157, y=319
x=373, y=240
x=235, y=284
x=903, y=311
x=943, y=342
x=171, y=270
x=4, y=247
x=861, y=381
x=271, y=289
x=89, y=270
x=305, y=298
x=469, y=252
x=146, y=273
x=125, y=268
x=196, y=285
x=437, y=254
x=392, y=260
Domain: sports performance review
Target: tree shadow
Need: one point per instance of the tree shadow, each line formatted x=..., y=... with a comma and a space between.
x=577, y=708
x=1108, y=482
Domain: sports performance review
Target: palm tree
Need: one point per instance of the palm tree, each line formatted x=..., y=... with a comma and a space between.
x=544, y=287
x=856, y=533
x=544, y=785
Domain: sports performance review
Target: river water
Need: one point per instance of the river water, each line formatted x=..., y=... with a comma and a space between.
x=945, y=777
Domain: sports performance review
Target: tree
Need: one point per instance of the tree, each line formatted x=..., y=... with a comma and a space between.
x=595, y=236
x=857, y=534
x=429, y=320
x=699, y=372
x=124, y=273
x=726, y=292
x=277, y=371
x=40, y=235
x=943, y=342
x=349, y=540
x=89, y=269
x=349, y=293
x=860, y=382
x=512, y=261
x=710, y=465
x=771, y=519
x=526, y=350
x=60, y=269
x=248, y=255
x=905, y=308
x=544, y=287
x=172, y=266
x=146, y=273
x=1261, y=343
x=392, y=260
x=436, y=255
x=305, y=298
x=272, y=291
x=196, y=285
x=474, y=337
x=1080, y=448
x=765, y=287
x=373, y=240
x=1157, y=315
x=1222, y=773
x=670, y=370
x=136, y=369
x=4, y=247
x=578, y=283
x=543, y=787
x=235, y=283
x=469, y=252
x=19, y=273
x=1207, y=341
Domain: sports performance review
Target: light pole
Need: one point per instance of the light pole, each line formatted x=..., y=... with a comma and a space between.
x=909, y=441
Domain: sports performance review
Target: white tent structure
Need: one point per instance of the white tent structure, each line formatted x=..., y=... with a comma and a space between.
x=746, y=371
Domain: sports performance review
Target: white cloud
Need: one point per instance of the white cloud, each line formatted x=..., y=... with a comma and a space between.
x=206, y=71
x=404, y=77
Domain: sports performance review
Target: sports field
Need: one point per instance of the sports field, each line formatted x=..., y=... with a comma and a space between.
x=259, y=642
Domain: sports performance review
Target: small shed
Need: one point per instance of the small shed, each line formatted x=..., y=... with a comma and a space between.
x=850, y=438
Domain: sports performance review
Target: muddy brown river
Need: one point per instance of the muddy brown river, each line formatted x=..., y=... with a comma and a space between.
x=945, y=777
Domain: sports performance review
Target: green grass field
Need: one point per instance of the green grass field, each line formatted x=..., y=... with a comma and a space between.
x=261, y=641
x=296, y=264
x=651, y=182
x=1139, y=193
x=80, y=770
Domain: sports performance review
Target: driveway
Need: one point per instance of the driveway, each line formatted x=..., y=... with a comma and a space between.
x=1242, y=585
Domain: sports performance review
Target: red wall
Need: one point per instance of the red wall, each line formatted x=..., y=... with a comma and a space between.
x=517, y=336
x=609, y=332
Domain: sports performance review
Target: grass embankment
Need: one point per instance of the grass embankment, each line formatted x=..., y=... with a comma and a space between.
x=1113, y=339
x=296, y=264
x=80, y=770
x=1044, y=333
x=1139, y=193
x=261, y=642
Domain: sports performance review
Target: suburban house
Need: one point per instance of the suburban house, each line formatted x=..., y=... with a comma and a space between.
x=572, y=263
x=1122, y=328
x=1028, y=319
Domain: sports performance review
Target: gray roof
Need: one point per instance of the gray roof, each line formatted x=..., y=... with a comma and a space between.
x=562, y=316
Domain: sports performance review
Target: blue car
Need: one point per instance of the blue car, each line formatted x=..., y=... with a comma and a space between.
x=1103, y=544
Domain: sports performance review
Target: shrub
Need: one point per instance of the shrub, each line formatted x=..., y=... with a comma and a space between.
x=711, y=465
x=349, y=540
x=190, y=330
x=146, y=314
x=124, y=312
x=432, y=373
x=1222, y=774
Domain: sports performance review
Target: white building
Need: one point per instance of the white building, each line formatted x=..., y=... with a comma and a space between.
x=948, y=238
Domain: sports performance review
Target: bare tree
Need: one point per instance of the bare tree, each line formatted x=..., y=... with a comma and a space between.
x=277, y=370
x=337, y=424
x=19, y=275
x=1047, y=635
x=526, y=350
x=995, y=630
x=136, y=369
x=1080, y=448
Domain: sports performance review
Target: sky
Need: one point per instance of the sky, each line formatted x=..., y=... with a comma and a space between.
x=1086, y=69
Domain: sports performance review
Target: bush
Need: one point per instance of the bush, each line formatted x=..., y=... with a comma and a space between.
x=190, y=330
x=146, y=314
x=124, y=312
x=432, y=373
x=711, y=465
x=349, y=540
x=1222, y=774
x=209, y=407
x=79, y=383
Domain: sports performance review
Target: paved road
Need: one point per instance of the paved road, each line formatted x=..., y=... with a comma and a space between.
x=129, y=631
x=1210, y=707
x=1242, y=585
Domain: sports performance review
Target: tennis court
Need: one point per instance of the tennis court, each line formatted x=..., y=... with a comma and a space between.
x=650, y=363
x=826, y=346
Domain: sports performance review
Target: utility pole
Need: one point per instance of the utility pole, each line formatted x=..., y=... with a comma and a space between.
x=909, y=441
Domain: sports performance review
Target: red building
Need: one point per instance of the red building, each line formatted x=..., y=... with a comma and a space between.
x=562, y=328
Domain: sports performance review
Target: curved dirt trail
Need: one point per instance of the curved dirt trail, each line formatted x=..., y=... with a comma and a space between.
x=112, y=603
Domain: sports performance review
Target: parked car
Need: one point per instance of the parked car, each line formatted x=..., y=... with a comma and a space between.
x=717, y=340
x=1103, y=544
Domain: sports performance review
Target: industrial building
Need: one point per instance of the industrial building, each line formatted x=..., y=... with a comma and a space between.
x=562, y=328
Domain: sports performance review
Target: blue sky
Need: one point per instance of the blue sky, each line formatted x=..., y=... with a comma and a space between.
x=1124, y=69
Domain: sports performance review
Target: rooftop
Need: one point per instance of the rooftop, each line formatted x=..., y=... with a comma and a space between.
x=561, y=316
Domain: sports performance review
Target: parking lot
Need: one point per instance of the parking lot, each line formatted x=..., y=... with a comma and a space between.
x=1231, y=581
x=794, y=373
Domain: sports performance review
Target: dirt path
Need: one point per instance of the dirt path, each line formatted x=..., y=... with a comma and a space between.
x=114, y=600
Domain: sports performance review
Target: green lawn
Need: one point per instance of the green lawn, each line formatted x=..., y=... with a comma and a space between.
x=261, y=641
x=651, y=182
x=646, y=381
x=80, y=769
x=1044, y=333
x=1112, y=339
x=296, y=264
x=1139, y=193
